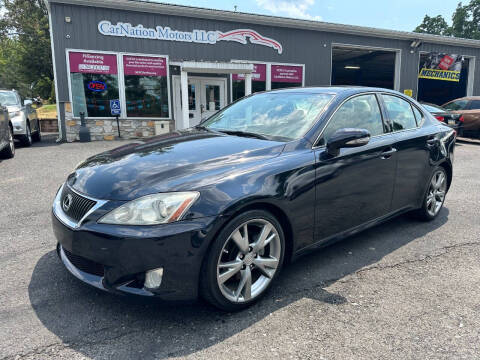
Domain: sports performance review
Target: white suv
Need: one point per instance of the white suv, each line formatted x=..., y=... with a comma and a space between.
x=23, y=116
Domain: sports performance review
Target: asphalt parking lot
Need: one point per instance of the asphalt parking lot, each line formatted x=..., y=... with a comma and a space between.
x=402, y=290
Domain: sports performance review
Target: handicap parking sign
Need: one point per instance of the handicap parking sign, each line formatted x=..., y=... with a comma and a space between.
x=115, y=107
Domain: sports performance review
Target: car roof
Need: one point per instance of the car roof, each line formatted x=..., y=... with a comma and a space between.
x=465, y=98
x=333, y=90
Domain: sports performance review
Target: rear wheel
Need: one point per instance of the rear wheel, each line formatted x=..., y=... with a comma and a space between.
x=435, y=195
x=38, y=135
x=243, y=261
x=9, y=151
x=27, y=138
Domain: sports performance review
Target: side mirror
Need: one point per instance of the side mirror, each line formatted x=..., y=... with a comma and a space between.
x=27, y=102
x=346, y=138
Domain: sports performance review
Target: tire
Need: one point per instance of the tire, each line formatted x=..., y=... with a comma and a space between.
x=27, y=138
x=233, y=259
x=434, y=197
x=38, y=135
x=9, y=151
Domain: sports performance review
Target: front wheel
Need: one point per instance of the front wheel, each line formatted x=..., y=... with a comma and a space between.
x=9, y=151
x=435, y=195
x=243, y=261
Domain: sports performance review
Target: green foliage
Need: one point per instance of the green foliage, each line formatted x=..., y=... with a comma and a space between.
x=465, y=22
x=433, y=25
x=25, y=54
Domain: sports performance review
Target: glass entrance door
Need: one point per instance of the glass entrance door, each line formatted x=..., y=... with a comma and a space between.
x=206, y=96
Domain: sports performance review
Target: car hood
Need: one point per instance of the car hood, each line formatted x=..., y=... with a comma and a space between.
x=12, y=108
x=179, y=161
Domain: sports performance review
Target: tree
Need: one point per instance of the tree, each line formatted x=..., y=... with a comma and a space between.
x=433, y=25
x=465, y=22
x=25, y=36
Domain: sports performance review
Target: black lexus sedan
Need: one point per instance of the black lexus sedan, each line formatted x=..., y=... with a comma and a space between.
x=217, y=210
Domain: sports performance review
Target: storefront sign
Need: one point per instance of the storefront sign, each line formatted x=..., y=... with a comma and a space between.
x=144, y=65
x=97, y=86
x=259, y=73
x=196, y=36
x=442, y=67
x=90, y=63
x=288, y=74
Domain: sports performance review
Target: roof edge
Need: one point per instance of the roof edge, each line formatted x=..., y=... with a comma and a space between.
x=224, y=15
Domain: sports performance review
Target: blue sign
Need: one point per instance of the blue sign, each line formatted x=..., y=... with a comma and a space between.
x=115, y=107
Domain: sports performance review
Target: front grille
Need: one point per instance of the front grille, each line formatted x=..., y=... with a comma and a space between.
x=79, y=205
x=85, y=265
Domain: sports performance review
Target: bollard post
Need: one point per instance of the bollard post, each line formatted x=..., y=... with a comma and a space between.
x=118, y=126
x=84, y=132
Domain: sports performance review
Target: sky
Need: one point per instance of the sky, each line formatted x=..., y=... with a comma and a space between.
x=388, y=14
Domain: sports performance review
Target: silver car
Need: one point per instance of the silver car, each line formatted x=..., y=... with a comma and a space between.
x=26, y=126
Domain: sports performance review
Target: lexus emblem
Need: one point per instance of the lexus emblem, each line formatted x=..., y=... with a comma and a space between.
x=67, y=202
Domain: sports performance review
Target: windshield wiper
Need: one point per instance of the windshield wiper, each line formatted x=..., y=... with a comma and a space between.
x=245, y=133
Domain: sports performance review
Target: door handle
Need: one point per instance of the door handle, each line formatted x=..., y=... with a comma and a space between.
x=387, y=154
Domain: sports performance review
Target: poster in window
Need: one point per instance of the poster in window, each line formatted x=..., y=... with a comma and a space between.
x=439, y=66
x=94, y=82
x=146, y=88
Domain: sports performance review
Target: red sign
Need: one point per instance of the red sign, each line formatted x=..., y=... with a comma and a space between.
x=144, y=65
x=91, y=63
x=97, y=86
x=446, y=62
x=259, y=73
x=286, y=73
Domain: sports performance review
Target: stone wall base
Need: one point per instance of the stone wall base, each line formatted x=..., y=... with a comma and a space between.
x=129, y=129
x=49, y=125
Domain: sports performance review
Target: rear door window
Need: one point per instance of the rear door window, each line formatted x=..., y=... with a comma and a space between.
x=474, y=105
x=400, y=113
x=418, y=115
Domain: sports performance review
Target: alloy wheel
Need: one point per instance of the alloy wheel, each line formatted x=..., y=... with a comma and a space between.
x=29, y=134
x=249, y=260
x=11, y=141
x=436, y=192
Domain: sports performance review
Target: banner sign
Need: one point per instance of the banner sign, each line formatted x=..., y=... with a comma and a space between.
x=259, y=73
x=439, y=66
x=196, y=36
x=90, y=63
x=144, y=65
x=289, y=74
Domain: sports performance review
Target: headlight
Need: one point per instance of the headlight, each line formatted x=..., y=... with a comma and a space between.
x=152, y=209
x=14, y=114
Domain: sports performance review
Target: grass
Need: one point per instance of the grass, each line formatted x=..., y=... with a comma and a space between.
x=47, y=112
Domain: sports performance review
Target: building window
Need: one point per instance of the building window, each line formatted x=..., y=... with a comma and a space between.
x=259, y=81
x=146, y=86
x=284, y=76
x=94, y=82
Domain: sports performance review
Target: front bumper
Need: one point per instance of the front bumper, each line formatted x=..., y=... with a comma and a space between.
x=124, y=253
x=19, y=125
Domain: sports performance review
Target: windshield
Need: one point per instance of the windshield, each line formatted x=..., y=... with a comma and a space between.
x=8, y=98
x=432, y=108
x=282, y=116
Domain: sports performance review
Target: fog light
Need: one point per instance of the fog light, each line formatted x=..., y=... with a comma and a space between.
x=153, y=278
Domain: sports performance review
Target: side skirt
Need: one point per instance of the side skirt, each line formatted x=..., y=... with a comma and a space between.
x=341, y=236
